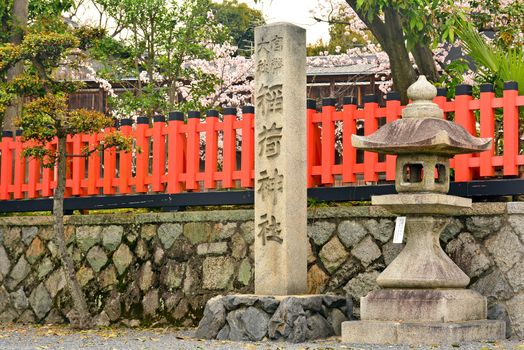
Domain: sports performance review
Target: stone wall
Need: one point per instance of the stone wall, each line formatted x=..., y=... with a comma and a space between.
x=159, y=268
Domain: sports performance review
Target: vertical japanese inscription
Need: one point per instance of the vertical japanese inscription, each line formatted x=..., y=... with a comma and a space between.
x=269, y=101
x=269, y=141
x=269, y=98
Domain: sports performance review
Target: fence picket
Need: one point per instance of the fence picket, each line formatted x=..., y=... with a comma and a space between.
x=33, y=177
x=392, y=114
x=487, y=128
x=48, y=174
x=211, y=153
x=349, y=153
x=193, y=150
x=248, y=147
x=328, y=141
x=19, y=163
x=511, y=128
x=142, y=157
x=370, y=126
x=159, y=153
x=125, y=163
x=464, y=117
x=313, y=158
x=229, y=149
x=109, y=168
x=93, y=167
x=7, y=167
x=78, y=166
x=175, y=155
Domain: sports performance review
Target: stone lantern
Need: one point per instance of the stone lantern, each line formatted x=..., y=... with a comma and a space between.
x=423, y=299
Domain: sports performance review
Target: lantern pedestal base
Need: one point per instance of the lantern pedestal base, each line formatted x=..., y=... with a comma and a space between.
x=421, y=333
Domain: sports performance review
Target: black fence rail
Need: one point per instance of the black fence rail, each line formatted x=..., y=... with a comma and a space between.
x=477, y=190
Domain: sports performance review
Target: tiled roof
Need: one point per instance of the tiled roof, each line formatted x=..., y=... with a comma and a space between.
x=355, y=69
x=326, y=65
x=317, y=66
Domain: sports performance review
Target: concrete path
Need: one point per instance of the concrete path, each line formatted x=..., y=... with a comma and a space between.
x=60, y=337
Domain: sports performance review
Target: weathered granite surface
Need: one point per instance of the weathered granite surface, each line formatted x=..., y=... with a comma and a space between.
x=280, y=160
x=486, y=242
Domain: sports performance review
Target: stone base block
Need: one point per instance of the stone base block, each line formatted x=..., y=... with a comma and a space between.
x=295, y=318
x=423, y=305
x=421, y=203
x=421, y=333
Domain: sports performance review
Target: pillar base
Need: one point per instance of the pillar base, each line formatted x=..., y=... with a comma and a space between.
x=292, y=318
x=421, y=333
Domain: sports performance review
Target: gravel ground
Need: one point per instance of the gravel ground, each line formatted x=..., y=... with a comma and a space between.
x=58, y=337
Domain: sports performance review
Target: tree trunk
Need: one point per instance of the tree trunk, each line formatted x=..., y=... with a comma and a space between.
x=402, y=70
x=390, y=34
x=13, y=111
x=425, y=62
x=79, y=316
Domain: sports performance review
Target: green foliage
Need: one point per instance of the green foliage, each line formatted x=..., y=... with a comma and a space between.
x=47, y=117
x=5, y=99
x=240, y=20
x=426, y=22
x=48, y=8
x=45, y=46
x=495, y=64
x=162, y=36
x=6, y=8
x=42, y=118
x=151, y=100
x=317, y=48
x=453, y=75
x=42, y=44
x=507, y=21
x=89, y=36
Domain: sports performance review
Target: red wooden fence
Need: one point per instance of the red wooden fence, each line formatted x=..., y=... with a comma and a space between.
x=171, y=158
x=478, y=116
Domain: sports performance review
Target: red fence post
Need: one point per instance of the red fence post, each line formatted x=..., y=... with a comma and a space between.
x=19, y=161
x=7, y=164
x=33, y=177
x=392, y=114
x=193, y=150
x=248, y=147
x=48, y=174
x=487, y=128
x=349, y=153
x=142, y=158
x=370, y=126
x=441, y=98
x=511, y=128
x=175, y=152
x=229, y=149
x=211, y=149
x=109, y=167
x=78, y=166
x=124, y=169
x=313, y=140
x=68, y=161
x=93, y=167
x=328, y=141
x=464, y=117
x=159, y=153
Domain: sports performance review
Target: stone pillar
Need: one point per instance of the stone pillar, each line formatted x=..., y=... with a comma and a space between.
x=280, y=165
